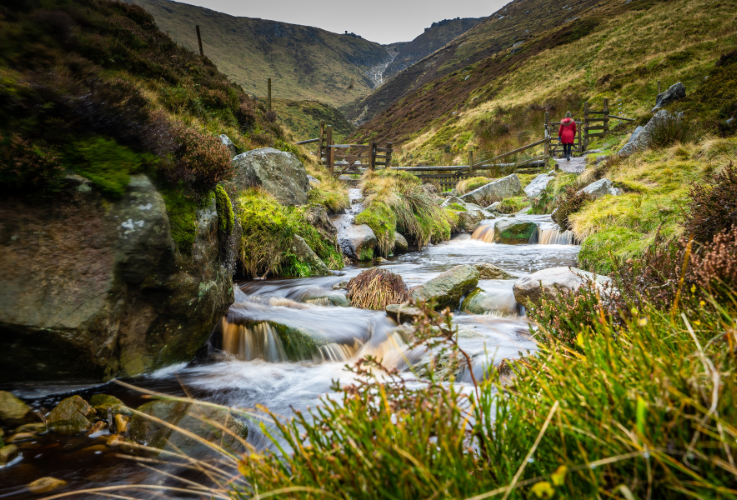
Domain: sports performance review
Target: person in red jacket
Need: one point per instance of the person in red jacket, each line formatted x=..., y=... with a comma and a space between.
x=567, y=135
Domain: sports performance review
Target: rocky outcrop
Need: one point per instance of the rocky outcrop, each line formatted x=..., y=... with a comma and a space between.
x=491, y=272
x=206, y=422
x=278, y=172
x=446, y=289
x=675, y=92
x=92, y=288
x=600, y=188
x=514, y=232
x=538, y=185
x=641, y=137
x=506, y=187
x=72, y=416
x=13, y=411
x=400, y=243
x=553, y=281
x=306, y=255
x=358, y=242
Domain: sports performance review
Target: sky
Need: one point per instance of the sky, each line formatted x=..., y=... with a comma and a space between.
x=382, y=21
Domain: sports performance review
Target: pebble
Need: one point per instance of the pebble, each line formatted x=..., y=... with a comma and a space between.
x=21, y=436
x=35, y=428
x=121, y=423
x=96, y=429
x=8, y=453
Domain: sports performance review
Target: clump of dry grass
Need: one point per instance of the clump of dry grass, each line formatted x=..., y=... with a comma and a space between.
x=376, y=289
x=468, y=185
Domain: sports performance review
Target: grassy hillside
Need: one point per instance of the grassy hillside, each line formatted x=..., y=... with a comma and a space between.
x=304, y=63
x=302, y=119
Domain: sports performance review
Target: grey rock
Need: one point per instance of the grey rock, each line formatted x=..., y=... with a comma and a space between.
x=453, y=200
x=537, y=185
x=494, y=207
x=229, y=144
x=640, y=138
x=304, y=253
x=112, y=296
x=13, y=411
x=514, y=232
x=505, y=187
x=675, y=92
x=313, y=180
x=400, y=243
x=491, y=272
x=358, y=242
x=553, y=281
x=324, y=297
x=600, y=188
x=493, y=301
x=402, y=313
x=278, y=172
x=317, y=217
x=447, y=289
x=343, y=285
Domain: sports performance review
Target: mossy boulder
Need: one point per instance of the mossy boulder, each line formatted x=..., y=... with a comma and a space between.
x=103, y=404
x=304, y=254
x=278, y=172
x=8, y=453
x=202, y=421
x=514, y=232
x=358, y=242
x=498, y=189
x=13, y=411
x=92, y=288
x=72, y=416
x=447, y=289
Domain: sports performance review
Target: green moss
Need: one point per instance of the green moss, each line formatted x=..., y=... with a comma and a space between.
x=513, y=205
x=268, y=230
x=458, y=207
x=382, y=222
x=226, y=217
x=182, y=206
x=334, y=201
x=366, y=254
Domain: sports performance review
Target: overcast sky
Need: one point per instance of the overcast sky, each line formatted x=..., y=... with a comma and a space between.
x=383, y=21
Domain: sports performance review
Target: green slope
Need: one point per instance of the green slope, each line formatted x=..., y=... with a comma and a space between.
x=304, y=63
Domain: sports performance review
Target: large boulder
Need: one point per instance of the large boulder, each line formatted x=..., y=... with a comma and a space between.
x=506, y=187
x=72, y=416
x=358, y=242
x=514, y=232
x=447, y=289
x=600, y=188
x=13, y=411
x=306, y=255
x=675, y=92
x=215, y=425
x=278, y=172
x=92, y=288
x=538, y=185
x=641, y=137
x=552, y=281
x=400, y=243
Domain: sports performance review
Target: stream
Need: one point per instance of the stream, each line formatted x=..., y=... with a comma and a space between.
x=248, y=366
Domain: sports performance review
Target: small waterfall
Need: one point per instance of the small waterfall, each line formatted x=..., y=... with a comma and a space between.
x=484, y=233
x=554, y=236
x=258, y=341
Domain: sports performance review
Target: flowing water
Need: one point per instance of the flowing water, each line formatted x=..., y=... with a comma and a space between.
x=284, y=342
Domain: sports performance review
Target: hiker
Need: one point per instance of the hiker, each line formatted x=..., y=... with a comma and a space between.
x=567, y=135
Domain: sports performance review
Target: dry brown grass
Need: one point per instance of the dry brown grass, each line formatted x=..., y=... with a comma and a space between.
x=376, y=289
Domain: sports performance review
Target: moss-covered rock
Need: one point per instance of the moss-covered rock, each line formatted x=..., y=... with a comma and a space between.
x=447, y=289
x=13, y=411
x=226, y=217
x=358, y=242
x=8, y=453
x=72, y=416
x=383, y=223
x=514, y=232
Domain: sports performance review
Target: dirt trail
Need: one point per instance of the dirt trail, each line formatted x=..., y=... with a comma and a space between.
x=576, y=166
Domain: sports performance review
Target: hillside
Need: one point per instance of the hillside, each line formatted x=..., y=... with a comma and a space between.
x=302, y=119
x=304, y=63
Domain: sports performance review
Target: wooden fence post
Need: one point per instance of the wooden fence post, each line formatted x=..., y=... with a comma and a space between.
x=585, y=126
x=580, y=139
x=329, y=150
x=388, y=154
x=199, y=40
x=470, y=161
x=546, y=154
x=606, y=116
x=269, y=94
x=320, y=139
x=372, y=156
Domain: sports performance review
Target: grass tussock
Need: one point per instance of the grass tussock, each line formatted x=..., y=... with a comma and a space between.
x=396, y=201
x=376, y=289
x=329, y=192
x=268, y=230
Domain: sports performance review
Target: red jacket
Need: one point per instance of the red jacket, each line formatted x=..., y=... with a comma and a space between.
x=567, y=131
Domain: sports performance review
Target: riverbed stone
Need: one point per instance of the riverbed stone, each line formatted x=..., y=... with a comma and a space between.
x=358, y=242
x=197, y=419
x=8, y=453
x=278, y=172
x=92, y=288
x=400, y=243
x=674, y=93
x=447, y=289
x=506, y=187
x=306, y=255
x=484, y=302
x=491, y=272
x=101, y=403
x=600, y=188
x=13, y=411
x=71, y=416
x=514, y=232
x=538, y=185
x=45, y=484
x=321, y=296
x=553, y=281
x=402, y=312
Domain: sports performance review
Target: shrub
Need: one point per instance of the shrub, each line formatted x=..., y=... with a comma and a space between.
x=715, y=268
x=712, y=208
x=376, y=289
x=27, y=166
x=671, y=129
x=201, y=160
x=570, y=203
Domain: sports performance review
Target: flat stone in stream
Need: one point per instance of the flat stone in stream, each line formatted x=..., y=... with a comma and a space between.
x=553, y=281
x=446, y=289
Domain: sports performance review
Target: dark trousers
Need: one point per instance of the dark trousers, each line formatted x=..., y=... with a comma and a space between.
x=567, y=150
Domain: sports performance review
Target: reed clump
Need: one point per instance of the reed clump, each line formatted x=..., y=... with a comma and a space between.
x=376, y=289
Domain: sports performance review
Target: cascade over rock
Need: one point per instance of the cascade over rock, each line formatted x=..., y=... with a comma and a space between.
x=514, y=232
x=91, y=289
x=552, y=281
x=278, y=172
